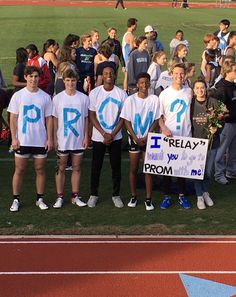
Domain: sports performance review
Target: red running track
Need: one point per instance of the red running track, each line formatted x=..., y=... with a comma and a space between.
x=105, y=267
x=108, y=3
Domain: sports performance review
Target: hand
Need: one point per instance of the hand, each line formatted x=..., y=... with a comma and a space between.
x=213, y=130
x=86, y=142
x=15, y=144
x=108, y=138
x=166, y=132
x=49, y=145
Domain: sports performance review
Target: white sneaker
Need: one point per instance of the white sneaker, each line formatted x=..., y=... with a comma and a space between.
x=15, y=205
x=92, y=201
x=77, y=201
x=207, y=199
x=149, y=205
x=41, y=204
x=133, y=202
x=59, y=203
x=117, y=201
x=200, y=202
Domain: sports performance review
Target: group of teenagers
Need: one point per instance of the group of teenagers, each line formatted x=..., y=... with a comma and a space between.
x=67, y=99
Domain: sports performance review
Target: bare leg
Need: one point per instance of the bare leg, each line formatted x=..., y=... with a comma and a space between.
x=76, y=173
x=60, y=173
x=133, y=169
x=39, y=166
x=20, y=165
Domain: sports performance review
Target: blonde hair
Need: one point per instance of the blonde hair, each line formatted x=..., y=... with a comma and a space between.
x=84, y=37
x=93, y=32
x=227, y=67
x=62, y=67
x=157, y=55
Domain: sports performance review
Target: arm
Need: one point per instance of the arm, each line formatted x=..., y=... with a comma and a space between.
x=164, y=129
x=86, y=134
x=129, y=38
x=118, y=127
x=49, y=129
x=16, y=82
x=208, y=74
x=55, y=128
x=13, y=128
x=151, y=129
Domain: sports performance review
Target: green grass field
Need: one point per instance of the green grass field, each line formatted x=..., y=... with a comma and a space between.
x=23, y=25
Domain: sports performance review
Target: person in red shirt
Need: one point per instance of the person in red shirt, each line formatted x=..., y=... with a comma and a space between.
x=34, y=59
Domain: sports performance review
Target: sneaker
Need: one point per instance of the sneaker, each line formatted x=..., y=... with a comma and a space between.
x=184, y=202
x=149, y=205
x=92, y=201
x=59, y=203
x=41, y=204
x=207, y=199
x=165, y=202
x=77, y=201
x=15, y=205
x=133, y=202
x=117, y=201
x=200, y=203
x=68, y=168
x=222, y=180
x=231, y=176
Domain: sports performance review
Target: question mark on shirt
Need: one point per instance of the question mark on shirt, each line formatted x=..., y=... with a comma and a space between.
x=179, y=112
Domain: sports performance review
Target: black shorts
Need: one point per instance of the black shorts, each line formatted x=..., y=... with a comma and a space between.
x=27, y=151
x=133, y=147
x=70, y=152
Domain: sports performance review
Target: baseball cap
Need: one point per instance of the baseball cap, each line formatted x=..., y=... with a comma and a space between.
x=148, y=29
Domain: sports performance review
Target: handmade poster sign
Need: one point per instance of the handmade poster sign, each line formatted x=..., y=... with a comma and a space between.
x=175, y=156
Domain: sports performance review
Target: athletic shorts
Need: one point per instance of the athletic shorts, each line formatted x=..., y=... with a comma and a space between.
x=34, y=151
x=133, y=147
x=70, y=152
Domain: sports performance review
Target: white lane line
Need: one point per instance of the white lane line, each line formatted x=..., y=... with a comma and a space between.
x=120, y=242
x=111, y=272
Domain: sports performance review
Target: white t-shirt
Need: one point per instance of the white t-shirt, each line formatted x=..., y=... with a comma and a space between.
x=164, y=80
x=154, y=71
x=32, y=109
x=107, y=105
x=141, y=113
x=71, y=112
x=175, y=107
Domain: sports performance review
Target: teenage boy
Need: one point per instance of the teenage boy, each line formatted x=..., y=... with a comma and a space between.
x=128, y=43
x=70, y=112
x=105, y=105
x=174, y=99
x=226, y=92
x=223, y=34
x=141, y=114
x=31, y=130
